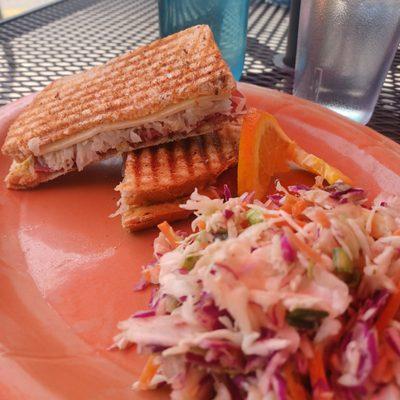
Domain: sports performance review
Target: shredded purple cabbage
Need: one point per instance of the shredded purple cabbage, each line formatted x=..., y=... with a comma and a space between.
x=144, y=314
x=254, y=362
x=355, y=393
x=354, y=193
x=199, y=360
x=155, y=348
x=183, y=271
x=297, y=188
x=156, y=300
x=372, y=346
x=228, y=213
x=208, y=313
x=140, y=285
x=239, y=380
x=234, y=389
x=288, y=252
x=366, y=339
x=275, y=198
x=279, y=386
x=226, y=354
x=152, y=300
x=373, y=305
x=227, y=192
x=266, y=333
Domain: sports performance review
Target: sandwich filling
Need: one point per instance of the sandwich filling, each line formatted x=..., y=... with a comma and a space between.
x=68, y=155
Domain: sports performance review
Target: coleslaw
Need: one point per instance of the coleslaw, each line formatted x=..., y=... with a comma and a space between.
x=291, y=298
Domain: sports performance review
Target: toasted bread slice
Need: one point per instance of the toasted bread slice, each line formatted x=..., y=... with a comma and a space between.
x=158, y=179
x=157, y=92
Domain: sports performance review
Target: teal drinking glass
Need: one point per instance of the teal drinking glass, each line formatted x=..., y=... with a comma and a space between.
x=226, y=18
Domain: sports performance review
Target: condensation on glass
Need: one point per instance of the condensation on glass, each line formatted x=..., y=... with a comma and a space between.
x=344, y=51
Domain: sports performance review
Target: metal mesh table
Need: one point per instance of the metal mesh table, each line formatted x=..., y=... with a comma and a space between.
x=71, y=35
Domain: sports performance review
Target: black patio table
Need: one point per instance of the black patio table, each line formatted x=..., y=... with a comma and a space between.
x=70, y=35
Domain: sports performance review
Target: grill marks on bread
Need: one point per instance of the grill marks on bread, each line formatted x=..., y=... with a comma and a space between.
x=181, y=67
x=163, y=173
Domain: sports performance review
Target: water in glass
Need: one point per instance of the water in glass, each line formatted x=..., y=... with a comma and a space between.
x=344, y=50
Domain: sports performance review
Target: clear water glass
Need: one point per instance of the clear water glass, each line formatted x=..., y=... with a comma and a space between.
x=344, y=51
x=226, y=18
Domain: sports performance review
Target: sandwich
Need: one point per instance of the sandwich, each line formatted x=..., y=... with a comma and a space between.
x=171, y=89
x=158, y=179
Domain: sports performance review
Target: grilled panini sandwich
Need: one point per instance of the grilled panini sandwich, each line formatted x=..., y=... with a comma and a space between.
x=173, y=88
x=158, y=179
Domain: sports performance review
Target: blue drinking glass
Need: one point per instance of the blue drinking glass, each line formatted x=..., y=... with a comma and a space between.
x=226, y=18
x=280, y=2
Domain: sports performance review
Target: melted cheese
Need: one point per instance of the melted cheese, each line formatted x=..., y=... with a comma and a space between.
x=80, y=137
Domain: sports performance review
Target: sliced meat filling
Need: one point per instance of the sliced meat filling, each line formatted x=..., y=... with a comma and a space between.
x=81, y=154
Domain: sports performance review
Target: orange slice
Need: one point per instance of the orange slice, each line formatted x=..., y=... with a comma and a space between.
x=265, y=150
x=317, y=166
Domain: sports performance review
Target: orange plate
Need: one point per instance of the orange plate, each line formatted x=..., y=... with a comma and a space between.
x=67, y=270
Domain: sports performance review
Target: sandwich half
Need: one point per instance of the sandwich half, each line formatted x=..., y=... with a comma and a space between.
x=171, y=89
x=158, y=179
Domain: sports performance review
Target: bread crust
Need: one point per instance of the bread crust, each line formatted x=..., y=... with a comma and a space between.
x=139, y=218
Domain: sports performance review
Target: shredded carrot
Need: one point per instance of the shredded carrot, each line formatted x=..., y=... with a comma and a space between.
x=304, y=247
x=295, y=388
x=169, y=233
x=147, y=275
x=316, y=366
x=335, y=362
x=389, y=311
x=299, y=207
x=281, y=224
x=290, y=201
x=322, y=219
x=278, y=224
x=245, y=224
x=201, y=225
x=148, y=372
x=301, y=222
x=306, y=347
x=256, y=315
x=270, y=216
x=396, y=232
x=388, y=376
x=383, y=370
